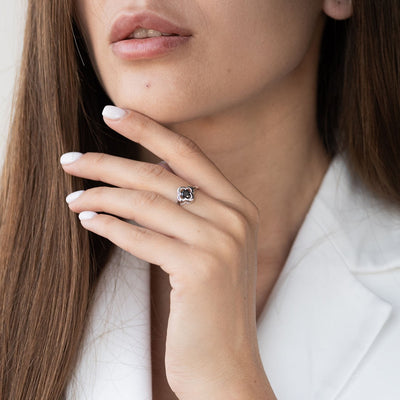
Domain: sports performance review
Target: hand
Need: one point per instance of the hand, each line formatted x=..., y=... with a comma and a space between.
x=208, y=248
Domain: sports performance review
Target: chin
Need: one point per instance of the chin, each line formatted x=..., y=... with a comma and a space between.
x=166, y=113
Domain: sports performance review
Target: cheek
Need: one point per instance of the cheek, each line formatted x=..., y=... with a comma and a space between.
x=267, y=49
x=222, y=66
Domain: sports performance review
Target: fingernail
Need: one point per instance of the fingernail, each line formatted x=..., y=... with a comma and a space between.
x=114, y=113
x=84, y=215
x=73, y=196
x=69, y=158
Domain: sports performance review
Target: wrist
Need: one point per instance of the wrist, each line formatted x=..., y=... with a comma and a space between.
x=245, y=386
x=249, y=388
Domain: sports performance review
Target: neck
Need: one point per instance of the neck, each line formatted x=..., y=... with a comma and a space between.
x=269, y=148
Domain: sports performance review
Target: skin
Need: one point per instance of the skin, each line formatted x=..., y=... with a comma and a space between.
x=240, y=125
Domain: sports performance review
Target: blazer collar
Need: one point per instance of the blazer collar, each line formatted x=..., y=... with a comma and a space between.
x=320, y=321
x=363, y=228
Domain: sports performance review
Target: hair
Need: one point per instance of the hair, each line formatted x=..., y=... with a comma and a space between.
x=50, y=266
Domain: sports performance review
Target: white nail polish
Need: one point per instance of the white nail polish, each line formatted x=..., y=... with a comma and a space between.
x=69, y=158
x=84, y=215
x=73, y=196
x=114, y=113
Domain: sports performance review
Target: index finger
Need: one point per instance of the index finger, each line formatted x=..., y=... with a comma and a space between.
x=182, y=154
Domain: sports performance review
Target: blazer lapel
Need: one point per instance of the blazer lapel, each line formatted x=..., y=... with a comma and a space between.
x=320, y=321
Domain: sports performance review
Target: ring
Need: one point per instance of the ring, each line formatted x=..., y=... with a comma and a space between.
x=185, y=194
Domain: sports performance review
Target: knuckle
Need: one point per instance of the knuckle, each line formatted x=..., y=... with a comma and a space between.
x=141, y=126
x=135, y=237
x=109, y=223
x=98, y=193
x=156, y=170
x=145, y=198
x=238, y=223
x=98, y=158
x=186, y=147
x=253, y=212
x=149, y=170
x=227, y=242
x=96, y=164
x=140, y=233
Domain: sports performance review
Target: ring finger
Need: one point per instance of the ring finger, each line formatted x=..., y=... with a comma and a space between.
x=148, y=209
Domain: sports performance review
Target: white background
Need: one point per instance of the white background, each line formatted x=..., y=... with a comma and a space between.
x=12, y=20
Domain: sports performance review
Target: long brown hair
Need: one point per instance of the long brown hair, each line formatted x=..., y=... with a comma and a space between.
x=49, y=265
x=359, y=93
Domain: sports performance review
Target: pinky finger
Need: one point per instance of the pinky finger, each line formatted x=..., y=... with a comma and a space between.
x=143, y=243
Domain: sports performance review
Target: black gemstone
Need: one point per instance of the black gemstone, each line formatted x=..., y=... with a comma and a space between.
x=186, y=194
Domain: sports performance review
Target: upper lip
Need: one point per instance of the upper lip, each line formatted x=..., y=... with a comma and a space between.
x=126, y=24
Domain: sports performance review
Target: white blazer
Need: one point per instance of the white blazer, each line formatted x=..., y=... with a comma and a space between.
x=329, y=331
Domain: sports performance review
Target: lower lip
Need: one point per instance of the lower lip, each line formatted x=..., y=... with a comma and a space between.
x=135, y=49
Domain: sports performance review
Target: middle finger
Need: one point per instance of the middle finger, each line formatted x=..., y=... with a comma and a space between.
x=139, y=175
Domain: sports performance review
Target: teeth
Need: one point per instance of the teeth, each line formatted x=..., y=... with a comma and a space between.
x=141, y=33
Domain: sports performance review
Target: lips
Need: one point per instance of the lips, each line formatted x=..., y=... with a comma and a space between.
x=126, y=24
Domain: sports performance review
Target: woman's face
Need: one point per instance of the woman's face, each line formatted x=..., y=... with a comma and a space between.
x=238, y=49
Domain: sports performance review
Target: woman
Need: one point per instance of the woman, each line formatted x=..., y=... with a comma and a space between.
x=274, y=269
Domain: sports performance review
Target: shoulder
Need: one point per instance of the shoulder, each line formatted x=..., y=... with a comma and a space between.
x=364, y=229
